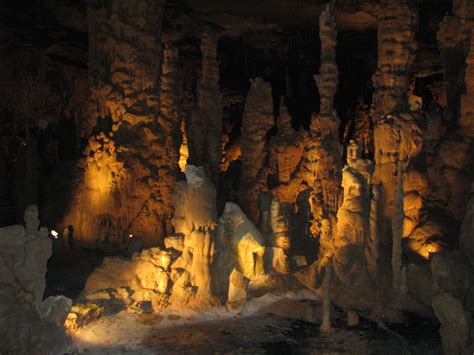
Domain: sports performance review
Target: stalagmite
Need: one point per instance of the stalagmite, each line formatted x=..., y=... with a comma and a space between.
x=206, y=127
x=397, y=230
x=326, y=325
x=396, y=52
x=396, y=138
x=372, y=249
x=353, y=218
x=322, y=162
x=256, y=122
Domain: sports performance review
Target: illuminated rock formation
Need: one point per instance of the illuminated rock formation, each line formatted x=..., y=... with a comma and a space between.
x=396, y=52
x=353, y=219
x=256, y=122
x=246, y=241
x=196, y=218
x=322, y=159
x=169, y=276
x=23, y=259
x=132, y=162
x=206, y=125
x=396, y=138
x=280, y=238
x=286, y=148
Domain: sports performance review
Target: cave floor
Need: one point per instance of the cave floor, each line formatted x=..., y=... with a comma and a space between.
x=272, y=330
x=268, y=325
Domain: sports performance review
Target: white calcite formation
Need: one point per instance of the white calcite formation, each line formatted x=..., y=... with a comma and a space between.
x=24, y=253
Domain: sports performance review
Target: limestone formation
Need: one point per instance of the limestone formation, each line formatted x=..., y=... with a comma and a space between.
x=286, y=148
x=396, y=138
x=132, y=161
x=454, y=330
x=466, y=118
x=206, y=125
x=24, y=253
x=454, y=41
x=246, y=241
x=397, y=230
x=321, y=163
x=196, y=218
x=326, y=324
x=256, y=122
x=353, y=218
x=396, y=52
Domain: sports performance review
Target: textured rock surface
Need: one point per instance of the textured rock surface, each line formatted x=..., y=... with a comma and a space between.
x=205, y=131
x=396, y=52
x=454, y=330
x=24, y=253
x=131, y=163
x=256, y=122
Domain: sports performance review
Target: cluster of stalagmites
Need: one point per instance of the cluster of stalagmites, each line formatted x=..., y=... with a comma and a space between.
x=205, y=263
x=375, y=221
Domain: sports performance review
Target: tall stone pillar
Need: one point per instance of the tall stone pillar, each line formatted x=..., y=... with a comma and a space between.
x=322, y=158
x=396, y=53
x=256, y=122
x=206, y=125
x=132, y=154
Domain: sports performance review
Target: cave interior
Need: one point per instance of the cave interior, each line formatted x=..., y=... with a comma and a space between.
x=281, y=176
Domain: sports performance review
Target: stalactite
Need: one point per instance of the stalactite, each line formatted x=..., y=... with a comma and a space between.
x=207, y=124
x=256, y=122
x=396, y=52
x=397, y=231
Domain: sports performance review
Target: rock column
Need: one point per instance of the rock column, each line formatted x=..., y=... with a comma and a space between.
x=396, y=53
x=256, y=122
x=132, y=153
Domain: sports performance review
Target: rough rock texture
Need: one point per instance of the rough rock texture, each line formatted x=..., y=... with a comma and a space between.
x=353, y=226
x=454, y=330
x=176, y=276
x=322, y=159
x=454, y=38
x=396, y=52
x=206, y=126
x=466, y=237
x=196, y=218
x=246, y=242
x=24, y=253
x=132, y=161
x=256, y=122
x=466, y=119
x=286, y=147
x=396, y=138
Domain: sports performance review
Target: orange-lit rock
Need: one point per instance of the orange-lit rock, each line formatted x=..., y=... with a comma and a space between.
x=396, y=52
